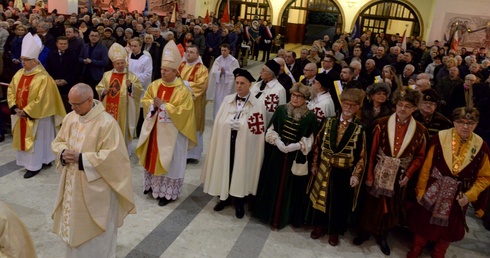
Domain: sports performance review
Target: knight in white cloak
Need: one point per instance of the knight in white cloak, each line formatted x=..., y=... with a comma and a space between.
x=236, y=151
x=269, y=91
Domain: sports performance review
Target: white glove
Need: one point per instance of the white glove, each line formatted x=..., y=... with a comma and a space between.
x=354, y=181
x=234, y=124
x=280, y=145
x=293, y=147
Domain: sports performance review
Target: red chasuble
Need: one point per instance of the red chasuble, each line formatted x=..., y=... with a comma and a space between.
x=21, y=101
x=113, y=96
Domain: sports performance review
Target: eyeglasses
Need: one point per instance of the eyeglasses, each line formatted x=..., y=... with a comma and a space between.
x=26, y=59
x=78, y=104
x=308, y=70
x=467, y=124
x=297, y=96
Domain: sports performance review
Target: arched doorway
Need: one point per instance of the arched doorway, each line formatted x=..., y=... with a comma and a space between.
x=390, y=17
x=304, y=21
x=247, y=9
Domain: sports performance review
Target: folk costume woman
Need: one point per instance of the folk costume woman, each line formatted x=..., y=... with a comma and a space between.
x=281, y=196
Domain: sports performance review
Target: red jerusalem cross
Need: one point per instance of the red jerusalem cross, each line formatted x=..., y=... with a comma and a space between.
x=256, y=123
x=319, y=114
x=271, y=102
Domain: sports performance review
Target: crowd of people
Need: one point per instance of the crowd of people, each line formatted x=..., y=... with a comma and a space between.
x=353, y=133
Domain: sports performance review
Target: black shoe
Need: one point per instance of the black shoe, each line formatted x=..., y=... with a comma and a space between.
x=30, y=173
x=318, y=231
x=239, y=211
x=46, y=166
x=2, y=137
x=163, y=201
x=221, y=205
x=383, y=245
x=192, y=161
x=148, y=191
x=361, y=238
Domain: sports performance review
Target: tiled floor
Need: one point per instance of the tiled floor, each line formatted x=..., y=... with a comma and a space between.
x=189, y=227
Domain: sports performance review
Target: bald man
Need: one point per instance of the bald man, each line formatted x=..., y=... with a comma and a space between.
x=95, y=190
x=309, y=73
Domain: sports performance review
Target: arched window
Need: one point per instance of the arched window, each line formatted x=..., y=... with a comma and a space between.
x=247, y=9
x=390, y=17
x=304, y=21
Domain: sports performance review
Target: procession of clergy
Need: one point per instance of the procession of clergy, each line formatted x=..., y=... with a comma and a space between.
x=302, y=151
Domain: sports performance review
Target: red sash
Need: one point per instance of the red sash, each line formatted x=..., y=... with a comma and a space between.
x=113, y=96
x=152, y=154
x=269, y=32
x=192, y=77
x=246, y=33
x=21, y=100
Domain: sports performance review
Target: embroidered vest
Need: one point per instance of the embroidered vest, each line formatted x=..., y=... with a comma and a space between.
x=346, y=154
x=289, y=131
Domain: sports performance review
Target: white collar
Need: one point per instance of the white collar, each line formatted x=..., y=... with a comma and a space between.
x=342, y=119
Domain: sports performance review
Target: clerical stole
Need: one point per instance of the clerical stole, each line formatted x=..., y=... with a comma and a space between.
x=113, y=97
x=193, y=73
x=21, y=100
x=152, y=157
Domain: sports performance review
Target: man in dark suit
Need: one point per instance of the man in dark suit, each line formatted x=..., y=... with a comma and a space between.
x=370, y=71
x=267, y=35
x=74, y=43
x=62, y=65
x=328, y=68
x=93, y=58
x=42, y=29
x=294, y=67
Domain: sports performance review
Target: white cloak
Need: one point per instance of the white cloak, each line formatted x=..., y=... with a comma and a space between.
x=249, y=150
x=273, y=95
x=322, y=105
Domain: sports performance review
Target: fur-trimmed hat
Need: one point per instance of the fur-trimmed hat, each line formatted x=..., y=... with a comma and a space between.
x=377, y=87
x=407, y=94
x=430, y=95
x=306, y=91
x=466, y=113
x=353, y=94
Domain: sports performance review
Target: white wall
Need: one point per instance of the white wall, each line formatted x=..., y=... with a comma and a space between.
x=64, y=6
x=467, y=7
